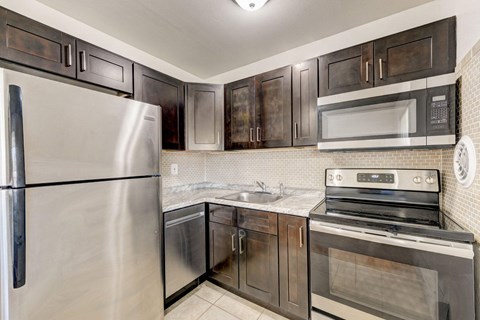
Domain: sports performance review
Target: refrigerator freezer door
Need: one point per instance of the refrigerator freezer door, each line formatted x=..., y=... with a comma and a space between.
x=93, y=252
x=75, y=134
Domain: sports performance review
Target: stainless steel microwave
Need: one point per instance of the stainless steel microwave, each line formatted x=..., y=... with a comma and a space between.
x=419, y=113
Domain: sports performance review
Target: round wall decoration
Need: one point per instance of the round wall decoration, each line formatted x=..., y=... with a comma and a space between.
x=465, y=161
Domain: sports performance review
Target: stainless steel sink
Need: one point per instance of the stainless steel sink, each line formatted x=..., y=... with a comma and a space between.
x=253, y=197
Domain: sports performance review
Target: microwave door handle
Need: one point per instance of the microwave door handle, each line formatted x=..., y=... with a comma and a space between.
x=17, y=155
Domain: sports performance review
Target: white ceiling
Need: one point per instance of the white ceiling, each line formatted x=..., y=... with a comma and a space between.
x=210, y=37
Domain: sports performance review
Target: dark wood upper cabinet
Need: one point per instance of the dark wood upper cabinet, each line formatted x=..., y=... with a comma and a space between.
x=259, y=265
x=101, y=67
x=223, y=253
x=304, y=103
x=422, y=52
x=36, y=45
x=153, y=87
x=346, y=70
x=205, y=116
x=293, y=262
x=273, y=108
x=240, y=114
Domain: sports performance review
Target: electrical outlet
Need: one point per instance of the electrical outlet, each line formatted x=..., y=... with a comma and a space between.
x=174, y=169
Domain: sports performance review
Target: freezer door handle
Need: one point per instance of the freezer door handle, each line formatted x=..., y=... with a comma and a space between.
x=16, y=137
x=19, y=238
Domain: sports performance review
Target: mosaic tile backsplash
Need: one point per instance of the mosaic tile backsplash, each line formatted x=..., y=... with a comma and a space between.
x=305, y=168
x=464, y=204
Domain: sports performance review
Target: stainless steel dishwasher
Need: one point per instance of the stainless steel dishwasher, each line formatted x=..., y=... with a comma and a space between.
x=185, y=250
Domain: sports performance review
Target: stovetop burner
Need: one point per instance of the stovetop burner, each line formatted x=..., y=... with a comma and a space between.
x=407, y=202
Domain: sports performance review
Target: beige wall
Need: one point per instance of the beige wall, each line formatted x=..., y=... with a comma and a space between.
x=464, y=204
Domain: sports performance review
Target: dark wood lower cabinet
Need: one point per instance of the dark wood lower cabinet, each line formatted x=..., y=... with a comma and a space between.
x=268, y=264
x=259, y=265
x=223, y=253
x=293, y=262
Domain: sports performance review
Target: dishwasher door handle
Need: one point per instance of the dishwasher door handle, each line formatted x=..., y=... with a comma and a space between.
x=181, y=220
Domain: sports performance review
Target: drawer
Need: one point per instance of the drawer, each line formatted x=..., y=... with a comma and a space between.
x=261, y=221
x=223, y=214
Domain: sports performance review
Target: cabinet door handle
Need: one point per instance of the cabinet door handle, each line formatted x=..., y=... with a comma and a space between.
x=233, y=242
x=218, y=137
x=240, y=242
x=380, y=65
x=300, y=236
x=83, y=61
x=259, y=133
x=366, y=72
x=295, y=131
x=69, y=55
x=251, y=135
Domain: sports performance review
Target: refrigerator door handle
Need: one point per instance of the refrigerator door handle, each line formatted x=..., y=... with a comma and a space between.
x=19, y=238
x=17, y=155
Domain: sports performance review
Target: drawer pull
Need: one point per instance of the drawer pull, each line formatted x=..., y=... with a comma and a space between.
x=69, y=55
x=233, y=242
x=366, y=72
x=380, y=65
x=300, y=235
x=83, y=61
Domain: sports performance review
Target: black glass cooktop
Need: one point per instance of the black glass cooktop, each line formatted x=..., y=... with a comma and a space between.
x=422, y=218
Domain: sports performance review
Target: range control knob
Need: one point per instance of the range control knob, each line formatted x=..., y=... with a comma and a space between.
x=339, y=177
x=417, y=179
x=430, y=180
x=330, y=177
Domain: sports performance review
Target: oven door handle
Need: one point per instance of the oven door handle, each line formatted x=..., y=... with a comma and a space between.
x=456, y=249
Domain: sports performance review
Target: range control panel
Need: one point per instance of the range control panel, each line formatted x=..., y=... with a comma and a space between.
x=392, y=179
x=376, y=177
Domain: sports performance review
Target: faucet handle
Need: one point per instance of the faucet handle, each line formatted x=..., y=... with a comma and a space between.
x=282, y=189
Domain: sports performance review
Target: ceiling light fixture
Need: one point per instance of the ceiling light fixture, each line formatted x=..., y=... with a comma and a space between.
x=251, y=5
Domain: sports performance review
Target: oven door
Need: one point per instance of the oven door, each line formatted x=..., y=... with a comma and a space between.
x=394, y=120
x=368, y=274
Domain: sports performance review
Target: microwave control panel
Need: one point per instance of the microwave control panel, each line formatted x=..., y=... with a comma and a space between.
x=439, y=112
x=441, y=107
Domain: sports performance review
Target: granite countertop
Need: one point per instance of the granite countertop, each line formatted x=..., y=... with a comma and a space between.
x=296, y=202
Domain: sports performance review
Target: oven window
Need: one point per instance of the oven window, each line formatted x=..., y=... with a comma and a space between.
x=397, y=118
x=398, y=289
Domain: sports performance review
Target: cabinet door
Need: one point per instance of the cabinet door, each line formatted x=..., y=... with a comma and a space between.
x=346, y=70
x=293, y=261
x=101, y=67
x=153, y=87
x=28, y=42
x=204, y=117
x=259, y=265
x=240, y=114
x=223, y=253
x=304, y=101
x=417, y=53
x=273, y=108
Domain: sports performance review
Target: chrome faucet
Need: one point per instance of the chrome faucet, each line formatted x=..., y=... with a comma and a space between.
x=262, y=185
x=282, y=189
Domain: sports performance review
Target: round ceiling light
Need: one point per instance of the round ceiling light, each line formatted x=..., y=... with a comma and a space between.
x=251, y=5
x=465, y=161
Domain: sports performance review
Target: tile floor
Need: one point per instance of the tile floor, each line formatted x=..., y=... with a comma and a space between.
x=210, y=302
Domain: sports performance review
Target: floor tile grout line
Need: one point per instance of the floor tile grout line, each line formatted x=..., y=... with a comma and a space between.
x=243, y=305
x=211, y=305
x=209, y=301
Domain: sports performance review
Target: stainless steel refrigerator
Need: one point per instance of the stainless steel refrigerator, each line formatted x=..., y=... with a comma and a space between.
x=80, y=222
